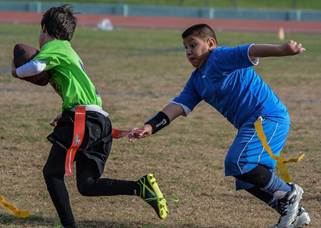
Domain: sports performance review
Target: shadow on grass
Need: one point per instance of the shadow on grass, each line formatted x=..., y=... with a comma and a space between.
x=39, y=221
x=106, y=224
x=33, y=220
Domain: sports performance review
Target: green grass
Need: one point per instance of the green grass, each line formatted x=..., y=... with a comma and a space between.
x=138, y=71
x=269, y=4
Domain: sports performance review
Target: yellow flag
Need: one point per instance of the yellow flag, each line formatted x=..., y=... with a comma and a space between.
x=282, y=169
x=13, y=209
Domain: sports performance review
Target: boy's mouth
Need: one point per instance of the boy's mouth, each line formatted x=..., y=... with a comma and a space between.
x=194, y=62
x=192, y=59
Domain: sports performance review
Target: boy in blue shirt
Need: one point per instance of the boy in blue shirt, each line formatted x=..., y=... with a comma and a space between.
x=225, y=79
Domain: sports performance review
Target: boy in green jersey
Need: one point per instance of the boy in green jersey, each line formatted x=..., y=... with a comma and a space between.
x=76, y=90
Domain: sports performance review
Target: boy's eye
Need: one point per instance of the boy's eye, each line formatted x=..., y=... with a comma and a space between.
x=191, y=46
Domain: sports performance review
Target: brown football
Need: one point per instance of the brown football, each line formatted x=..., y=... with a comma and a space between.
x=23, y=53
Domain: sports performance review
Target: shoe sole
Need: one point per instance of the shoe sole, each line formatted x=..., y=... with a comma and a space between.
x=302, y=220
x=161, y=201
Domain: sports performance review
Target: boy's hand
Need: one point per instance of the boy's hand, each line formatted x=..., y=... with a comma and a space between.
x=13, y=70
x=138, y=133
x=292, y=48
x=55, y=121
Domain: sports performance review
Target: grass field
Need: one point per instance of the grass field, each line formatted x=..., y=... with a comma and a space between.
x=137, y=72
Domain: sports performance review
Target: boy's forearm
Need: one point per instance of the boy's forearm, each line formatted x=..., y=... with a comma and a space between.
x=30, y=68
x=173, y=111
x=266, y=50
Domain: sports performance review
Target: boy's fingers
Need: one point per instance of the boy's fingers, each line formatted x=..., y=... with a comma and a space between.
x=144, y=133
x=137, y=133
x=54, y=122
x=132, y=133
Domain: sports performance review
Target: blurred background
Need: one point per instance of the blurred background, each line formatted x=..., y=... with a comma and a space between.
x=133, y=53
x=299, y=10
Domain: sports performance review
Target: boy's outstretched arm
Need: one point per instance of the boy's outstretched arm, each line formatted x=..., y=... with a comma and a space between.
x=160, y=120
x=269, y=50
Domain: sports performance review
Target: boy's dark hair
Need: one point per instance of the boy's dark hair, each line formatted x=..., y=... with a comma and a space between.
x=59, y=22
x=202, y=31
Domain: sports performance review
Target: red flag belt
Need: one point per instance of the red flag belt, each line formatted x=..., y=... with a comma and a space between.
x=79, y=131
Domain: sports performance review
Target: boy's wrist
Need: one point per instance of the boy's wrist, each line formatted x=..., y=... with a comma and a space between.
x=283, y=49
x=148, y=128
x=158, y=121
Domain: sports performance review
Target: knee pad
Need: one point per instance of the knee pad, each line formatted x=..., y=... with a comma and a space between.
x=259, y=176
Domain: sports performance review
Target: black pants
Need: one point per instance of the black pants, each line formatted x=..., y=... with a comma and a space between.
x=88, y=173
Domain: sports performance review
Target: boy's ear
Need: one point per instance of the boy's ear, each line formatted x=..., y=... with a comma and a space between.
x=211, y=43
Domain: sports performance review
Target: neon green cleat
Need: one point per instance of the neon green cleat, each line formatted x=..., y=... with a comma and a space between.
x=151, y=194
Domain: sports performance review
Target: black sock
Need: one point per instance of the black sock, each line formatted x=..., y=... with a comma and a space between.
x=264, y=196
x=89, y=184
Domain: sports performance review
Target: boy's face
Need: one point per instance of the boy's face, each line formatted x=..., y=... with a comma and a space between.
x=44, y=37
x=198, y=49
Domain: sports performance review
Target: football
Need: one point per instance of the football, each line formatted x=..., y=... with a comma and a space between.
x=22, y=53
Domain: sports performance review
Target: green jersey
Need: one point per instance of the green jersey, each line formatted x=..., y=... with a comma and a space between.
x=68, y=76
